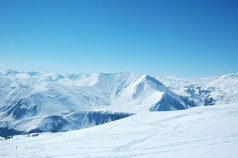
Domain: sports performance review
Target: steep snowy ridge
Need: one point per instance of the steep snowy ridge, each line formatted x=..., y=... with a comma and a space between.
x=60, y=123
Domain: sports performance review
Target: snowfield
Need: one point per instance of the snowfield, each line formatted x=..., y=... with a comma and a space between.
x=210, y=132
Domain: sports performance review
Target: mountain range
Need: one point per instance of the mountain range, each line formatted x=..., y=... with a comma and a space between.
x=50, y=102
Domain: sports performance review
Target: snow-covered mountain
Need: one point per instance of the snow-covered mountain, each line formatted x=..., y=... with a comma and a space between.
x=30, y=100
x=206, y=91
x=42, y=101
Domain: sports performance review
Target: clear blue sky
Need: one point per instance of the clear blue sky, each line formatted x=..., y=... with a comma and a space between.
x=184, y=38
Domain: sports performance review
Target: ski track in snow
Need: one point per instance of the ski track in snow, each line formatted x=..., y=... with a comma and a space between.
x=196, y=132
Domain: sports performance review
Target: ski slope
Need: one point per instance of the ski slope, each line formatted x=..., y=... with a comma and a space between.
x=210, y=131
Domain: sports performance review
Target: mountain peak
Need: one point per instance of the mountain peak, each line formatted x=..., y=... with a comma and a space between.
x=10, y=72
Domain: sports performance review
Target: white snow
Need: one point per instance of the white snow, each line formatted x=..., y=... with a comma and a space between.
x=193, y=133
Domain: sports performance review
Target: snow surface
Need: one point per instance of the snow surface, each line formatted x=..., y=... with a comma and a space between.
x=210, y=131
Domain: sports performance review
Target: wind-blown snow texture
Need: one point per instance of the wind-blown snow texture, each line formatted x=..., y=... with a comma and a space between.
x=50, y=102
x=197, y=132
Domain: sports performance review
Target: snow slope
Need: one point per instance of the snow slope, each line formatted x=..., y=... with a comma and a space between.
x=210, y=131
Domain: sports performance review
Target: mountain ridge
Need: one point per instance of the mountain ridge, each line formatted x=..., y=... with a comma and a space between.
x=27, y=98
